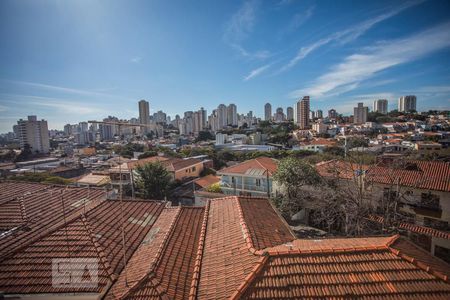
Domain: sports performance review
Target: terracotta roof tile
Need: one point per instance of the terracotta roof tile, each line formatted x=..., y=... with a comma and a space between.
x=226, y=258
x=430, y=175
x=207, y=180
x=265, y=226
x=262, y=163
x=360, y=274
x=12, y=189
x=35, y=215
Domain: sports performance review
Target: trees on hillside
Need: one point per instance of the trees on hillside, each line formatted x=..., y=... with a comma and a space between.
x=153, y=180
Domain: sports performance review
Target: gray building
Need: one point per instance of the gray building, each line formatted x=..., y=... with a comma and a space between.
x=268, y=112
x=407, y=103
x=360, y=113
x=34, y=133
x=380, y=106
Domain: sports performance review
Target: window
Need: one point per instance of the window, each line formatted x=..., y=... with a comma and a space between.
x=436, y=224
x=193, y=169
x=429, y=200
x=258, y=182
x=442, y=252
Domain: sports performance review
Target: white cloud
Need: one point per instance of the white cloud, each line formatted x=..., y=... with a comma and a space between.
x=300, y=18
x=359, y=67
x=347, y=35
x=256, y=72
x=136, y=59
x=69, y=107
x=240, y=26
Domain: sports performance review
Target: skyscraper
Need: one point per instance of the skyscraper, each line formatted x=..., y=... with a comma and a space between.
x=144, y=112
x=407, y=103
x=267, y=112
x=279, y=115
x=34, y=133
x=301, y=114
x=290, y=113
x=360, y=114
x=204, y=117
x=319, y=114
x=232, y=115
x=222, y=115
x=381, y=106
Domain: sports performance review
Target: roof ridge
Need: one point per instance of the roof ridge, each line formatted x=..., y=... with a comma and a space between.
x=250, y=277
x=245, y=232
x=270, y=252
x=420, y=265
x=414, y=227
x=98, y=248
x=157, y=257
x=198, y=259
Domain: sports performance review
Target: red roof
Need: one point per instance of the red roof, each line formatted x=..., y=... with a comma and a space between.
x=429, y=175
x=97, y=234
x=235, y=247
x=340, y=169
x=207, y=180
x=261, y=163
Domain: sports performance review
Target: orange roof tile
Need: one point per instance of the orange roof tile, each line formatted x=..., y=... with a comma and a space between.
x=430, y=175
x=262, y=163
x=97, y=234
x=266, y=228
x=226, y=260
x=340, y=169
x=207, y=180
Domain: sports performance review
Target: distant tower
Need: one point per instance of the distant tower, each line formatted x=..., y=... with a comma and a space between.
x=232, y=115
x=222, y=114
x=267, y=112
x=302, y=113
x=360, y=114
x=290, y=113
x=407, y=103
x=381, y=106
x=144, y=114
x=319, y=114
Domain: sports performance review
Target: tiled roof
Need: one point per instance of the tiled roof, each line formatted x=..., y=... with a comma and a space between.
x=408, y=248
x=134, y=163
x=430, y=175
x=12, y=189
x=97, y=234
x=265, y=226
x=226, y=260
x=340, y=169
x=171, y=164
x=261, y=163
x=35, y=215
x=415, y=228
x=374, y=274
x=207, y=180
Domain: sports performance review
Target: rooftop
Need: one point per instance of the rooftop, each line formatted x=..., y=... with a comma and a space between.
x=234, y=248
x=265, y=164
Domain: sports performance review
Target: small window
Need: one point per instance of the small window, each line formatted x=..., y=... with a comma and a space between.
x=193, y=169
x=258, y=182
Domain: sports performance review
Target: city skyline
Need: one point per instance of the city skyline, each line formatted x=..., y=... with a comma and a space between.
x=63, y=61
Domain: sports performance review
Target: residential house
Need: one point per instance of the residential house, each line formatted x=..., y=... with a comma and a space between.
x=249, y=178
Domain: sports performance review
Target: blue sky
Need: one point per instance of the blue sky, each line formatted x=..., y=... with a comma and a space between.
x=69, y=61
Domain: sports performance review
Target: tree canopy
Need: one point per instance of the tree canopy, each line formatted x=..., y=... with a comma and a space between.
x=153, y=180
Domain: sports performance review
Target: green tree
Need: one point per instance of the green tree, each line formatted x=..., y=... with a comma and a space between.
x=204, y=136
x=146, y=154
x=153, y=180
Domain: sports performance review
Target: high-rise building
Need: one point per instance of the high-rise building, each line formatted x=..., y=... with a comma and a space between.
x=312, y=115
x=232, y=119
x=144, y=112
x=267, y=112
x=34, y=133
x=360, y=114
x=407, y=103
x=204, y=117
x=380, y=106
x=144, y=115
x=222, y=115
x=290, y=113
x=301, y=114
x=319, y=114
x=332, y=114
x=279, y=115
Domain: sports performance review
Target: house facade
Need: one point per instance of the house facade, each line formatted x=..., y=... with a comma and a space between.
x=249, y=178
